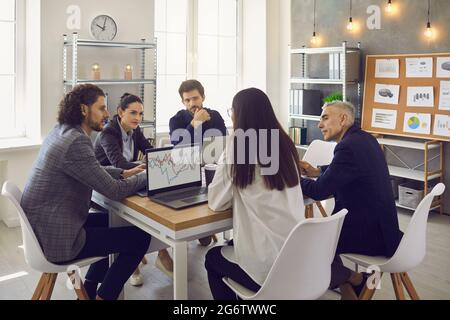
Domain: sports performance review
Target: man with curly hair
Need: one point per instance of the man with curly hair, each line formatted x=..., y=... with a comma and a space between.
x=57, y=196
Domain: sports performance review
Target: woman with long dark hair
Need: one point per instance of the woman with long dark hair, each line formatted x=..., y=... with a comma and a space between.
x=118, y=145
x=259, y=176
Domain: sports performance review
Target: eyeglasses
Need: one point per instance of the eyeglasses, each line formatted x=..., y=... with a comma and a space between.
x=230, y=112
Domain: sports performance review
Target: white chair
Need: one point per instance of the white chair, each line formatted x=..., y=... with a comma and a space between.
x=302, y=269
x=320, y=153
x=409, y=254
x=36, y=259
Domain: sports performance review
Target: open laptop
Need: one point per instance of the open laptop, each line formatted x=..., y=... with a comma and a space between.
x=174, y=176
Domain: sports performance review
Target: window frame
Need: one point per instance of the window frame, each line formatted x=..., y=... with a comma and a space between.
x=19, y=70
x=27, y=74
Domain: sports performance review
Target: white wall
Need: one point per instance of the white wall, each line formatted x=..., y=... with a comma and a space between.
x=278, y=63
x=254, y=44
x=266, y=40
x=134, y=21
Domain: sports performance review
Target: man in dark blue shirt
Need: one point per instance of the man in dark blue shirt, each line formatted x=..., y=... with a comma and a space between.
x=358, y=179
x=195, y=122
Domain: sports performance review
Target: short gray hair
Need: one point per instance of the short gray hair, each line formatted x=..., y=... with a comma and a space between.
x=344, y=106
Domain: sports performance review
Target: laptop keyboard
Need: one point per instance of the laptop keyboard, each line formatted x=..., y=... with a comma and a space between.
x=186, y=195
x=195, y=199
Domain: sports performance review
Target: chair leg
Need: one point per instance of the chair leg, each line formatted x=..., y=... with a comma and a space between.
x=398, y=287
x=321, y=209
x=309, y=213
x=409, y=286
x=78, y=285
x=48, y=286
x=40, y=286
x=366, y=292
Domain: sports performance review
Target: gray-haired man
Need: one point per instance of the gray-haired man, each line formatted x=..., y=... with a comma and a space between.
x=358, y=178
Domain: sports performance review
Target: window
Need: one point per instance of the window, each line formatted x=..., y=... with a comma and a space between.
x=12, y=67
x=197, y=39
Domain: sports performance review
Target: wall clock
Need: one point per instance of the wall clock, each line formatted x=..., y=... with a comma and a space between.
x=103, y=27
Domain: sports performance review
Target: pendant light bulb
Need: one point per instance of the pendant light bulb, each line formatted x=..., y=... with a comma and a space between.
x=389, y=6
x=350, y=24
x=429, y=31
x=314, y=38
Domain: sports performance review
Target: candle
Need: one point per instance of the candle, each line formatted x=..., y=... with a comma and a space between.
x=127, y=72
x=95, y=71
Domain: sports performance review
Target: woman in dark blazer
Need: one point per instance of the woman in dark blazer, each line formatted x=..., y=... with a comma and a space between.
x=118, y=144
x=121, y=139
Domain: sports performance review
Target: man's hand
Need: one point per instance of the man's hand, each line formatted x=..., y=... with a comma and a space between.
x=132, y=172
x=308, y=170
x=200, y=116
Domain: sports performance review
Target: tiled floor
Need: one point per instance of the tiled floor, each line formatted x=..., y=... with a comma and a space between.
x=431, y=278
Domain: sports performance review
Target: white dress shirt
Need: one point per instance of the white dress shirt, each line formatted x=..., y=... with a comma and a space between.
x=262, y=218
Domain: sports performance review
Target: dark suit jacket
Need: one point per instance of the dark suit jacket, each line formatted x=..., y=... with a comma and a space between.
x=182, y=120
x=358, y=178
x=109, y=146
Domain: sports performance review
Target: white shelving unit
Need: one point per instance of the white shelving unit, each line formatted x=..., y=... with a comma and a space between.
x=75, y=44
x=412, y=173
x=343, y=81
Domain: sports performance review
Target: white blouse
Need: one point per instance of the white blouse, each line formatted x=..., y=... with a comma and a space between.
x=262, y=218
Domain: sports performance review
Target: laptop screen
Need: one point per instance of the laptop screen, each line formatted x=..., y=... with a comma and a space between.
x=173, y=168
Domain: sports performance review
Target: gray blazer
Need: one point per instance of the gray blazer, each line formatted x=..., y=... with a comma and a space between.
x=57, y=195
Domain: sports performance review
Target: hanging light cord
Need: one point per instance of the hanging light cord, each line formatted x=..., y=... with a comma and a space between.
x=314, y=15
x=351, y=8
x=428, y=11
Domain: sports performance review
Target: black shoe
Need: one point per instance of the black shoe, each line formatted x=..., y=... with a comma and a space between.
x=206, y=241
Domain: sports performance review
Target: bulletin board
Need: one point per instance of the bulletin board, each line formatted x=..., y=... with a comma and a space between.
x=416, y=103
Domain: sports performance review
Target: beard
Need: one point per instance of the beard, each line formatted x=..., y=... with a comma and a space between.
x=193, y=109
x=95, y=126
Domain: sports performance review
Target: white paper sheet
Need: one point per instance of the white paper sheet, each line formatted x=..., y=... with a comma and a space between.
x=444, y=95
x=417, y=123
x=443, y=67
x=419, y=67
x=387, y=68
x=420, y=97
x=442, y=125
x=384, y=118
x=387, y=93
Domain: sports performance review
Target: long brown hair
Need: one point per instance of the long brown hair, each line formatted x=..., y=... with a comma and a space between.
x=253, y=110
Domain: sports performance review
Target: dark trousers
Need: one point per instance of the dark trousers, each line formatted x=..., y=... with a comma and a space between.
x=340, y=273
x=217, y=267
x=130, y=243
